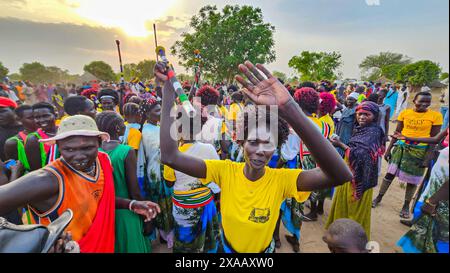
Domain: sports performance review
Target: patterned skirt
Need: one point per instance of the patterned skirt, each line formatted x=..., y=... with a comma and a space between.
x=197, y=226
x=430, y=234
x=406, y=162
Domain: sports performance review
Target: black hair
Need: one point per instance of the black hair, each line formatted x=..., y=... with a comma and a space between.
x=373, y=97
x=21, y=109
x=261, y=114
x=347, y=229
x=107, y=122
x=360, y=89
x=422, y=93
x=233, y=88
x=384, y=91
x=45, y=105
x=307, y=84
x=135, y=99
x=237, y=96
x=109, y=92
x=75, y=104
x=130, y=109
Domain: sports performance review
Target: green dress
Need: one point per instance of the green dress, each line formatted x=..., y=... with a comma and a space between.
x=129, y=226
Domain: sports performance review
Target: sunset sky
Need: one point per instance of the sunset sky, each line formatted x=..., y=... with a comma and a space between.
x=72, y=33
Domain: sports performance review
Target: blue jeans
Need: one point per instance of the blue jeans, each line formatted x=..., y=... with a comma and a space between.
x=444, y=112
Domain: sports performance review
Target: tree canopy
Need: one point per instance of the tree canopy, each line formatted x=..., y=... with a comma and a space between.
x=3, y=71
x=101, y=70
x=372, y=66
x=316, y=66
x=143, y=70
x=226, y=39
x=419, y=73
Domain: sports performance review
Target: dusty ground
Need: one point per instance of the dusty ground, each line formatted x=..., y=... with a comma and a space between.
x=386, y=226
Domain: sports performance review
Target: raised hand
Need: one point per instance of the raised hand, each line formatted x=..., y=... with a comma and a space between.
x=160, y=72
x=262, y=90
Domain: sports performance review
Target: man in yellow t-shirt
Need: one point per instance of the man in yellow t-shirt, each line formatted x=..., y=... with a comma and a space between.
x=251, y=207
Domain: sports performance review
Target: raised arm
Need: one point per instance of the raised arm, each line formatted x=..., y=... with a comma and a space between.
x=170, y=155
x=270, y=91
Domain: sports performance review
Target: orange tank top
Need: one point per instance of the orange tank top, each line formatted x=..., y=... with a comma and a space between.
x=77, y=191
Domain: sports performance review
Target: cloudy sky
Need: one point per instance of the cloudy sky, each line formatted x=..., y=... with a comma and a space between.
x=72, y=33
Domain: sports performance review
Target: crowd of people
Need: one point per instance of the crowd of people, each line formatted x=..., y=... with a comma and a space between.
x=134, y=172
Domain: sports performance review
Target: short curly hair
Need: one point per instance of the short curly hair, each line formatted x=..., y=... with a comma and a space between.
x=308, y=99
x=327, y=103
x=208, y=95
x=261, y=114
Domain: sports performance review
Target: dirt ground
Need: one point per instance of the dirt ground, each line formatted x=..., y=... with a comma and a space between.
x=386, y=228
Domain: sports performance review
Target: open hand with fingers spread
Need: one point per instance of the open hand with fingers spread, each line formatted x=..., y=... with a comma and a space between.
x=262, y=90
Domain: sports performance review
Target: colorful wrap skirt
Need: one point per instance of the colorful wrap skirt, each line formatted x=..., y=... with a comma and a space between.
x=406, y=162
x=197, y=225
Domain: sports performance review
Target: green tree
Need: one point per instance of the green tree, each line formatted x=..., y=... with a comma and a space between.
x=316, y=66
x=3, y=71
x=280, y=75
x=185, y=77
x=391, y=71
x=144, y=69
x=129, y=71
x=371, y=67
x=419, y=73
x=15, y=77
x=226, y=39
x=57, y=75
x=444, y=76
x=34, y=72
x=101, y=70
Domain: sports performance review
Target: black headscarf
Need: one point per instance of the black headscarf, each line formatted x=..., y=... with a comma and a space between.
x=366, y=147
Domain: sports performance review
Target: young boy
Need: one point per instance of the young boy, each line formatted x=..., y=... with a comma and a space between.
x=347, y=236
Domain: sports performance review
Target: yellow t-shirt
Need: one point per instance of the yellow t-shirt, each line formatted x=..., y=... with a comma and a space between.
x=419, y=124
x=249, y=209
x=223, y=111
x=169, y=173
x=327, y=119
x=134, y=138
x=235, y=109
